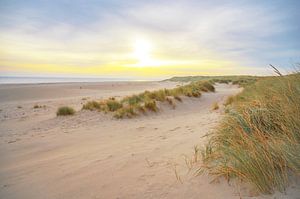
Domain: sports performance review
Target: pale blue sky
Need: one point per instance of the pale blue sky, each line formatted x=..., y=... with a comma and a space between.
x=229, y=37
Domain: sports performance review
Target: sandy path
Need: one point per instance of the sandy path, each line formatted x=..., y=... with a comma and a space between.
x=90, y=155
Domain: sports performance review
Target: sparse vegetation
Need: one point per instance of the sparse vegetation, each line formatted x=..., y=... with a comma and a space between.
x=36, y=106
x=241, y=80
x=92, y=105
x=133, y=105
x=151, y=105
x=128, y=111
x=215, y=106
x=65, y=110
x=113, y=105
x=259, y=139
x=132, y=100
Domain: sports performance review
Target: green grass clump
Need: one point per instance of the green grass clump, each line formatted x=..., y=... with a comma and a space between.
x=113, y=105
x=259, y=139
x=128, y=111
x=92, y=105
x=133, y=100
x=65, y=110
x=133, y=105
x=159, y=95
x=151, y=105
x=241, y=80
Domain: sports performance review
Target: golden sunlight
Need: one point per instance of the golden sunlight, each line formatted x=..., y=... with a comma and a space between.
x=142, y=53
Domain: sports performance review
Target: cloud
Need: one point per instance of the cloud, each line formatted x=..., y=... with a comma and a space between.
x=237, y=36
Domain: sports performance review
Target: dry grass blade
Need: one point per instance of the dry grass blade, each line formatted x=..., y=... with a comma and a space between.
x=259, y=139
x=276, y=70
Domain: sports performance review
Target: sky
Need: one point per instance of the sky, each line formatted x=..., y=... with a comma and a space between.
x=148, y=39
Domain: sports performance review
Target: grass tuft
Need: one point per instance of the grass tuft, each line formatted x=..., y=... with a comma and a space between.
x=113, y=105
x=215, y=106
x=36, y=106
x=259, y=139
x=65, y=110
x=151, y=105
x=128, y=111
x=92, y=105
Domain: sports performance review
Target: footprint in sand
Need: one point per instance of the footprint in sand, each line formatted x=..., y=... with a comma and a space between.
x=13, y=141
x=163, y=137
x=175, y=129
x=141, y=128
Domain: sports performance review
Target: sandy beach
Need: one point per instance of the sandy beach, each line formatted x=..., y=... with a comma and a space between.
x=92, y=155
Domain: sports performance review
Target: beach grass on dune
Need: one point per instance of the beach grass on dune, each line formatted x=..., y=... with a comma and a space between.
x=134, y=105
x=242, y=80
x=65, y=110
x=259, y=138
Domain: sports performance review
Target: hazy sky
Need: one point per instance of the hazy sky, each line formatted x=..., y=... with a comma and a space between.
x=145, y=39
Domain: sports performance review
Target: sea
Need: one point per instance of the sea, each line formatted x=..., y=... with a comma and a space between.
x=40, y=80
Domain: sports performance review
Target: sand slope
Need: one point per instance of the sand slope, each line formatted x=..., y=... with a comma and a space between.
x=91, y=155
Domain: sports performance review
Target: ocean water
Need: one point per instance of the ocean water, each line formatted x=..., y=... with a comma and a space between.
x=40, y=80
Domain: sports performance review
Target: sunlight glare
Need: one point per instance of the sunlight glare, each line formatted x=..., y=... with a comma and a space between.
x=142, y=52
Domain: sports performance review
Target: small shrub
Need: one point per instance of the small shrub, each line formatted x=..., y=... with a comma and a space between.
x=19, y=107
x=65, y=110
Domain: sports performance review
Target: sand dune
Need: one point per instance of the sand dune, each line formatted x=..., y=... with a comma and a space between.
x=91, y=155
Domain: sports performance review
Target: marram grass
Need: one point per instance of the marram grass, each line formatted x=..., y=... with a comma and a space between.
x=259, y=139
x=133, y=105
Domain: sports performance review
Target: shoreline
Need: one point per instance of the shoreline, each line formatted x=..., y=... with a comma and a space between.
x=83, y=82
x=10, y=93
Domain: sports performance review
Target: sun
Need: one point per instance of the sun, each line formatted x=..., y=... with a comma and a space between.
x=142, y=53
